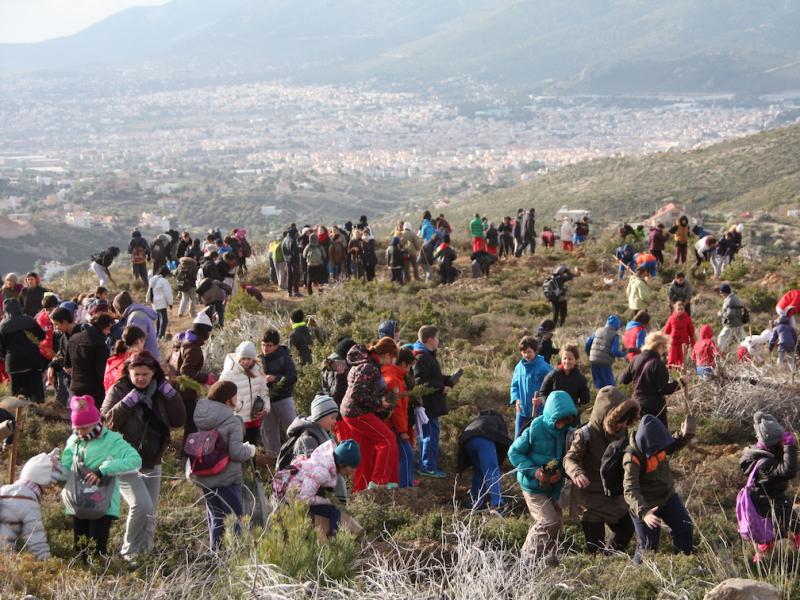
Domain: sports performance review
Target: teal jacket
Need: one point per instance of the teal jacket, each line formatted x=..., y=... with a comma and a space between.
x=109, y=453
x=527, y=379
x=542, y=442
x=476, y=228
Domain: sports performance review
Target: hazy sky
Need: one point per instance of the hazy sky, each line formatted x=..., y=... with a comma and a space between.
x=35, y=20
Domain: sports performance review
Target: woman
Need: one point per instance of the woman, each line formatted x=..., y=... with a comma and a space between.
x=87, y=354
x=316, y=258
x=567, y=377
x=132, y=342
x=650, y=377
x=143, y=407
x=363, y=409
x=103, y=453
x=252, y=396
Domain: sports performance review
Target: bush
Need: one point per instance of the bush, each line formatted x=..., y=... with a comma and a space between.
x=760, y=299
x=243, y=301
x=735, y=270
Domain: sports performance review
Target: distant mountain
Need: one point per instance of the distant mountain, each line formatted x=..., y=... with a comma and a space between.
x=550, y=46
x=758, y=172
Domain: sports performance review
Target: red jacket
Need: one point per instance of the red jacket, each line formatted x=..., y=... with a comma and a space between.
x=790, y=302
x=114, y=369
x=395, y=378
x=705, y=351
x=46, y=345
x=680, y=328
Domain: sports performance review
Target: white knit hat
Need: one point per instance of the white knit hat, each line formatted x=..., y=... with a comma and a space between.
x=42, y=469
x=246, y=350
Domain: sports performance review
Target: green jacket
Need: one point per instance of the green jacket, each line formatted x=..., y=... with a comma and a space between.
x=639, y=293
x=476, y=228
x=109, y=453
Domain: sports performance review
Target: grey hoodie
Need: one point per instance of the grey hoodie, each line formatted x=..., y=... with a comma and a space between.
x=210, y=415
x=144, y=317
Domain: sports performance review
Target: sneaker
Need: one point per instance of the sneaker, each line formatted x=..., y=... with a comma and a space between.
x=392, y=485
x=426, y=473
x=439, y=474
x=373, y=486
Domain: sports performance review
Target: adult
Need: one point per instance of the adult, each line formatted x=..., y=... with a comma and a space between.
x=277, y=363
x=101, y=264
x=446, y=256
x=20, y=336
x=703, y=249
x=638, y=292
x=160, y=294
x=411, y=244
x=506, y=233
x=143, y=407
x=528, y=233
x=87, y=354
x=650, y=377
x=478, y=234
x=316, y=258
x=65, y=327
x=656, y=241
x=186, y=280
x=426, y=228
x=516, y=230
x=681, y=233
x=395, y=260
x=561, y=275
x=139, y=250
x=734, y=316
x=291, y=255
x=681, y=290
x=611, y=416
x=252, y=397
x=183, y=245
x=160, y=251
x=32, y=294
x=141, y=316
x=567, y=377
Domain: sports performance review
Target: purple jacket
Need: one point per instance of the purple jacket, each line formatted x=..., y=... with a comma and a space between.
x=144, y=318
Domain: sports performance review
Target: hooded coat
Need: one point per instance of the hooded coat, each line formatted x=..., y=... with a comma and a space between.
x=585, y=454
x=732, y=311
x=705, y=351
x=19, y=339
x=784, y=336
x=187, y=359
x=144, y=317
x=527, y=379
x=676, y=292
x=428, y=371
x=651, y=381
x=314, y=474
x=365, y=386
x=216, y=415
x=775, y=473
x=680, y=328
x=87, y=354
x=541, y=443
x=308, y=436
x=280, y=364
x=247, y=388
x=31, y=299
x=490, y=425
x=639, y=293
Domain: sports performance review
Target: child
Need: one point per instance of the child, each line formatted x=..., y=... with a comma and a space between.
x=20, y=510
x=626, y=263
x=612, y=414
x=567, y=231
x=680, y=328
x=428, y=371
x=526, y=381
x=483, y=445
x=132, y=342
x=102, y=453
x=635, y=334
x=603, y=347
x=327, y=464
x=784, y=336
x=638, y=292
x=650, y=490
x=394, y=373
x=548, y=238
x=567, y=377
x=252, y=399
x=646, y=261
x=775, y=459
x=222, y=492
x=538, y=455
x=300, y=339
x=544, y=334
x=705, y=353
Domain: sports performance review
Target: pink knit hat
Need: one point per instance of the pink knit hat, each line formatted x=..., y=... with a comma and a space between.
x=84, y=411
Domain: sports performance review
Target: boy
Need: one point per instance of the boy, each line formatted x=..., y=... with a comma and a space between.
x=526, y=381
x=784, y=336
x=428, y=371
x=681, y=289
x=545, y=337
x=602, y=347
x=300, y=339
x=638, y=292
x=483, y=445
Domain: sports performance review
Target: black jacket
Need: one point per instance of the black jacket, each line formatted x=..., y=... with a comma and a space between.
x=31, y=300
x=291, y=250
x=529, y=226
x=17, y=345
x=428, y=371
x=487, y=424
x=87, y=354
x=301, y=341
x=772, y=481
x=183, y=246
x=651, y=381
x=280, y=364
x=574, y=383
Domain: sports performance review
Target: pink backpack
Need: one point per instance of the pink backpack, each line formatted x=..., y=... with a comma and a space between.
x=207, y=452
x=752, y=526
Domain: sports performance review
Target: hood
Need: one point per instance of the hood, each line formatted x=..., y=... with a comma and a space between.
x=420, y=348
x=530, y=365
x=343, y=347
x=43, y=469
x=357, y=355
x=706, y=333
x=751, y=456
x=559, y=404
x=652, y=436
x=632, y=324
x=785, y=321
x=187, y=260
x=12, y=307
x=122, y=301
x=613, y=321
x=150, y=312
x=607, y=399
x=388, y=328
x=210, y=415
x=299, y=425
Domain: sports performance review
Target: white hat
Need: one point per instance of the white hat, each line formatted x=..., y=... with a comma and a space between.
x=246, y=350
x=42, y=469
x=740, y=228
x=202, y=318
x=406, y=226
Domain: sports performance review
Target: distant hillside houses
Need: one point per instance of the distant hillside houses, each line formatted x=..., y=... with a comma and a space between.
x=576, y=214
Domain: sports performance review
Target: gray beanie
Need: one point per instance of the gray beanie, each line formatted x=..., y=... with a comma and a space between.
x=322, y=406
x=768, y=430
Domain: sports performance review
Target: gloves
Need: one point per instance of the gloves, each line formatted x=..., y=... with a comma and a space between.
x=788, y=438
x=550, y=478
x=132, y=398
x=251, y=450
x=211, y=379
x=167, y=390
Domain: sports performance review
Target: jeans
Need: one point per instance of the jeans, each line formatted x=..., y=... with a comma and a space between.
x=188, y=302
x=559, y=311
x=293, y=277
x=219, y=308
x=595, y=534
x=674, y=514
x=140, y=490
x=162, y=322
x=221, y=502
x=406, y=463
x=429, y=445
x=603, y=375
x=281, y=414
x=330, y=512
x=485, y=472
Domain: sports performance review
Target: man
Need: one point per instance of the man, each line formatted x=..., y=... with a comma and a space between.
x=87, y=354
x=20, y=336
x=139, y=250
x=101, y=263
x=141, y=316
x=291, y=254
x=657, y=239
x=734, y=317
x=32, y=295
x=65, y=327
x=681, y=290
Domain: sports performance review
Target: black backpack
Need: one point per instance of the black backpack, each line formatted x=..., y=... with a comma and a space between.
x=286, y=453
x=186, y=276
x=158, y=250
x=103, y=258
x=247, y=249
x=611, y=472
x=745, y=315
x=551, y=288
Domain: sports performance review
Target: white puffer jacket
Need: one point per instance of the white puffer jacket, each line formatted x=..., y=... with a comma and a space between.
x=162, y=292
x=248, y=388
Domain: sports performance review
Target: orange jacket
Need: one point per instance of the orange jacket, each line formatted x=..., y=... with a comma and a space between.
x=395, y=378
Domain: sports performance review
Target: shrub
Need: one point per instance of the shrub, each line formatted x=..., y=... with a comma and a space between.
x=760, y=299
x=735, y=270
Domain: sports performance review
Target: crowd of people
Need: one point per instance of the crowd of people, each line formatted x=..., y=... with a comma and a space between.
x=100, y=355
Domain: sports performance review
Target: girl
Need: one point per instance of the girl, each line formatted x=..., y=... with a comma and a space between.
x=705, y=353
x=252, y=396
x=394, y=368
x=102, y=453
x=567, y=377
x=680, y=329
x=132, y=342
x=567, y=231
x=143, y=407
x=160, y=296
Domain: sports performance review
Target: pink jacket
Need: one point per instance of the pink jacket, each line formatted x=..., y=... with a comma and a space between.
x=318, y=471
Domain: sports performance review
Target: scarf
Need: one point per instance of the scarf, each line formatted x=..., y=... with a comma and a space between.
x=93, y=434
x=300, y=324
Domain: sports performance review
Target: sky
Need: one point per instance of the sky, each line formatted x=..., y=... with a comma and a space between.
x=36, y=20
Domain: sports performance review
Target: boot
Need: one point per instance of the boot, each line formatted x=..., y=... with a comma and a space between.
x=762, y=550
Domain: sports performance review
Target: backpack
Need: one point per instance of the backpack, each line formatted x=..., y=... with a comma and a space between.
x=286, y=453
x=207, y=452
x=551, y=288
x=745, y=315
x=186, y=277
x=158, y=250
x=282, y=479
x=102, y=258
x=611, y=471
x=752, y=526
x=247, y=249
x=584, y=433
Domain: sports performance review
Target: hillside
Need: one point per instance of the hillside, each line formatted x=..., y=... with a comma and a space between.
x=615, y=46
x=759, y=172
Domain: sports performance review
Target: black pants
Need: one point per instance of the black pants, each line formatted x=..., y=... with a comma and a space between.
x=370, y=271
x=659, y=254
x=94, y=529
x=28, y=384
x=140, y=272
x=252, y=434
x=293, y=276
x=595, y=534
x=397, y=275
x=559, y=311
x=163, y=321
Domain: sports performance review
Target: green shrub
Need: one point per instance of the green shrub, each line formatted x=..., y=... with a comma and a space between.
x=760, y=299
x=243, y=302
x=376, y=518
x=735, y=270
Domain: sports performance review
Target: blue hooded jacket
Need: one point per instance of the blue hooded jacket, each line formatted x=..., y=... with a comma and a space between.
x=426, y=230
x=527, y=379
x=652, y=436
x=542, y=442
